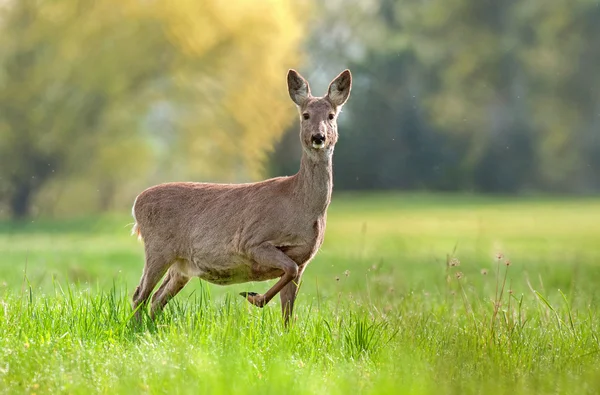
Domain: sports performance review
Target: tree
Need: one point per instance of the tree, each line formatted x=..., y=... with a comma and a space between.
x=79, y=77
x=511, y=86
x=466, y=94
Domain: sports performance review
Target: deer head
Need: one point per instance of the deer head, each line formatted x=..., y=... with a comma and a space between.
x=318, y=115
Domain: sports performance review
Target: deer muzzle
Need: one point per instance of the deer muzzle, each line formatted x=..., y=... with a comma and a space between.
x=318, y=141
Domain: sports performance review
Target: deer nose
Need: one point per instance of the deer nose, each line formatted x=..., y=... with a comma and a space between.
x=318, y=138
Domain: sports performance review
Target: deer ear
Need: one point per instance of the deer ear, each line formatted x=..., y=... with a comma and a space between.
x=339, y=89
x=297, y=87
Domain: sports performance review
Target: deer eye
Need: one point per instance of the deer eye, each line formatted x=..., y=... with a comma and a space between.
x=305, y=115
x=331, y=116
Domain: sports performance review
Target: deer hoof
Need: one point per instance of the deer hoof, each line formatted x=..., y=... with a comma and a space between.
x=254, y=298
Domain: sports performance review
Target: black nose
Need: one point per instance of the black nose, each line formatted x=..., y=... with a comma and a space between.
x=318, y=138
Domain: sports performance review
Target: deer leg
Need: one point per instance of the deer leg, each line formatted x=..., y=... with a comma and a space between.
x=288, y=296
x=268, y=255
x=172, y=284
x=162, y=287
x=155, y=268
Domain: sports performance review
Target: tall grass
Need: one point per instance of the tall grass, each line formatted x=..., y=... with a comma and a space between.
x=80, y=340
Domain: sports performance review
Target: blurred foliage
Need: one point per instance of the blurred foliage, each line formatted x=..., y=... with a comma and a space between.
x=100, y=98
x=464, y=94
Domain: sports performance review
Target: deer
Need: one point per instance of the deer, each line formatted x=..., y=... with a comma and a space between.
x=236, y=233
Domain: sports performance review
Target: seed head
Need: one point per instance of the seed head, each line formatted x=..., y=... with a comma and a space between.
x=507, y=262
x=499, y=256
x=459, y=275
x=347, y=273
x=484, y=272
x=337, y=278
x=454, y=262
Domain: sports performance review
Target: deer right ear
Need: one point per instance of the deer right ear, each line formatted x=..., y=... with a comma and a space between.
x=339, y=89
x=297, y=87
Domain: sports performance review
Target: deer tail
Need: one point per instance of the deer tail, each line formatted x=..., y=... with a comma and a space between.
x=135, y=230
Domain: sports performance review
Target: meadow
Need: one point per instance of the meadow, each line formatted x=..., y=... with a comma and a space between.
x=410, y=294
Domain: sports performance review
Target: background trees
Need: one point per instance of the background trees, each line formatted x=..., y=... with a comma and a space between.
x=467, y=95
x=101, y=98
x=104, y=93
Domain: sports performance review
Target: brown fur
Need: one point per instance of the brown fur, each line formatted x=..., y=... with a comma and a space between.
x=234, y=233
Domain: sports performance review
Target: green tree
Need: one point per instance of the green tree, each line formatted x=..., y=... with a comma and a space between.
x=468, y=94
x=79, y=77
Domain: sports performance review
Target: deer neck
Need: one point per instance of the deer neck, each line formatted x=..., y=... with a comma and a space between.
x=314, y=181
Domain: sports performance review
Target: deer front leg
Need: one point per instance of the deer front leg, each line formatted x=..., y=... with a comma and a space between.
x=268, y=255
x=288, y=296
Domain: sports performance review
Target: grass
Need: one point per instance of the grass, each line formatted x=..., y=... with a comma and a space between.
x=407, y=296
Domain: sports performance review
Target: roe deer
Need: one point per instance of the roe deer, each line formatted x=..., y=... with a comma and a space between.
x=234, y=233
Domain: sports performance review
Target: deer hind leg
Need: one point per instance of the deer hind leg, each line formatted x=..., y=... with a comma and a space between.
x=270, y=256
x=172, y=284
x=155, y=267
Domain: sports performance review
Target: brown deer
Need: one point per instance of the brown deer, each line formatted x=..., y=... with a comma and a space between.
x=234, y=233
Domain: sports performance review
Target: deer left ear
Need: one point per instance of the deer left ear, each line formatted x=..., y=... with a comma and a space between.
x=339, y=89
x=298, y=87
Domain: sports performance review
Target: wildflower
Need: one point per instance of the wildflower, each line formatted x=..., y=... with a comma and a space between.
x=337, y=278
x=499, y=256
x=459, y=275
x=484, y=272
x=454, y=262
x=347, y=273
x=507, y=262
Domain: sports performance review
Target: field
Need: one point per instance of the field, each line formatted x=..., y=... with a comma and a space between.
x=410, y=294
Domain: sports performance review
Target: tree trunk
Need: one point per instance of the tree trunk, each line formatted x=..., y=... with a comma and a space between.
x=20, y=201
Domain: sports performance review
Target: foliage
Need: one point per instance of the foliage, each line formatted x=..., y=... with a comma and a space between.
x=465, y=95
x=513, y=79
x=113, y=91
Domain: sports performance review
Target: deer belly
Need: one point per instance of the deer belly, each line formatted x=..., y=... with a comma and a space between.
x=234, y=270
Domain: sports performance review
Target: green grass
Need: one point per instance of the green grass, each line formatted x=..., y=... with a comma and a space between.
x=380, y=310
